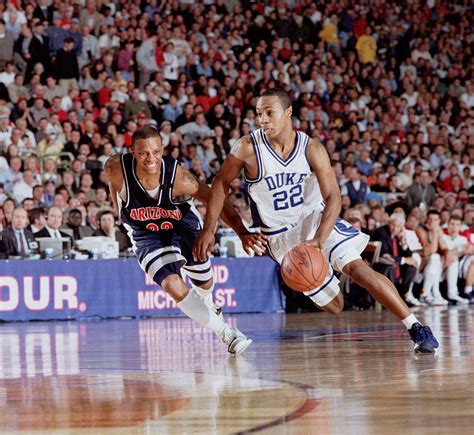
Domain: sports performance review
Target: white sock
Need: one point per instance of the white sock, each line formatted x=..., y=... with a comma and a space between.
x=195, y=308
x=410, y=321
x=468, y=289
x=204, y=293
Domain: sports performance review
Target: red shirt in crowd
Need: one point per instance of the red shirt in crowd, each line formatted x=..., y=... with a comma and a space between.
x=104, y=96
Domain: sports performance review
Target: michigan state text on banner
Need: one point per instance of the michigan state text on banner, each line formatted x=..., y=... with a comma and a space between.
x=41, y=290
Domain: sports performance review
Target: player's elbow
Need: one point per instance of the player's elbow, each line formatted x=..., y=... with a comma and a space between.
x=221, y=183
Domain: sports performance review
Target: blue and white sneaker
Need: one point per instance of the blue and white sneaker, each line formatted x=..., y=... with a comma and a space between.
x=422, y=336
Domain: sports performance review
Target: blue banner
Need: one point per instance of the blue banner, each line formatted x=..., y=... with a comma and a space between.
x=62, y=289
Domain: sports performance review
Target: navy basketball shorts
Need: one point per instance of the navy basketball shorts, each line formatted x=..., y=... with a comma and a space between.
x=161, y=256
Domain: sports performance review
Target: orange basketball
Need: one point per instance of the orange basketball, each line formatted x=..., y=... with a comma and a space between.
x=304, y=268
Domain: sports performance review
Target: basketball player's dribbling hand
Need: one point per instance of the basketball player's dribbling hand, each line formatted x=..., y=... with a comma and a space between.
x=316, y=242
x=254, y=242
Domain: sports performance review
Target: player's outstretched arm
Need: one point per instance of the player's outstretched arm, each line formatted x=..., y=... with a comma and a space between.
x=231, y=168
x=321, y=166
x=113, y=169
x=187, y=184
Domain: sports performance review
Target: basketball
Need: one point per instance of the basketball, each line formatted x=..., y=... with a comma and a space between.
x=304, y=268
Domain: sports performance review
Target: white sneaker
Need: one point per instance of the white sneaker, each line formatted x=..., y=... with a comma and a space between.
x=410, y=299
x=459, y=300
x=439, y=301
x=427, y=299
x=234, y=339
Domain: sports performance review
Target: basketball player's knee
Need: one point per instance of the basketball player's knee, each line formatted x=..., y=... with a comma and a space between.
x=361, y=273
x=336, y=305
x=175, y=287
x=171, y=282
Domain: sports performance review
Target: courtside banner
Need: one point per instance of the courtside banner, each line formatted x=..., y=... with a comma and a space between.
x=69, y=289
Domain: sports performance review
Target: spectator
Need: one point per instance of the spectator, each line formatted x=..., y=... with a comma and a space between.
x=24, y=188
x=39, y=111
x=107, y=228
x=146, y=60
x=54, y=220
x=67, y=67
x=172, y=111
x=19, y=240
x=432, y=240
x=38, y=50
x=43, y=12
x=7, y=77
x=6, y=46
x=367, y=47
x=355, y=188
x=101, y=195
x=194, y=132
x=49, y=188
x=397, y=261
x=50, y=146
x=17, y=90
x=56, y=34
x=457, y=246
x=135, y=105
x=38, y=196
x=421, y=193
x=85, y=185
x=37, y=219
x=109, y=41
x=75, y=227
x=12, y=175
x=171, y=65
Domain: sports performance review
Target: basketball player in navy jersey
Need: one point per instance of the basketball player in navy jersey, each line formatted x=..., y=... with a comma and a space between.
x=153, y=194
x=295, y=198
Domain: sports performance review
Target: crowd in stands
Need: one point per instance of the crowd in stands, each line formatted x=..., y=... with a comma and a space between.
x=387, y=87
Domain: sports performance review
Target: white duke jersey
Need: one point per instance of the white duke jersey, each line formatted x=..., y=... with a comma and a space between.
x=285, y=190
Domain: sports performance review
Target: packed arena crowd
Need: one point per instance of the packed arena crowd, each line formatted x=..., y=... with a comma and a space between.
x=386, y=87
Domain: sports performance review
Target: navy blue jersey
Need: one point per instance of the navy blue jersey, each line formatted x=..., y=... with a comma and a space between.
x=144, y=214
x=162, y=230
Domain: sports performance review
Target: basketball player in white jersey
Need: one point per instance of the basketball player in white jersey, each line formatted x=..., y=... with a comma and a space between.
x=295, y=198
x=153, y=194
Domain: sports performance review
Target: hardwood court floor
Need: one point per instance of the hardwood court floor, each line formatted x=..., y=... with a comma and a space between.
x=304, y=374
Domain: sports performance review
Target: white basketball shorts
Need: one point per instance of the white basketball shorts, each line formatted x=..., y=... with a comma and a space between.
x=344, y=245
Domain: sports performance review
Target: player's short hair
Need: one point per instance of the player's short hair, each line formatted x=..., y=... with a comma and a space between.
x=146, y=132
x=282, y=95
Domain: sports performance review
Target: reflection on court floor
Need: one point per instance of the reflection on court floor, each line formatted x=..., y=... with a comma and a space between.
x=352, y=372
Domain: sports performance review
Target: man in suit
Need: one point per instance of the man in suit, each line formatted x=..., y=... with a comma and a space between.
x=397, y=262
x=43, y=12
x=38, y=50
x=18, y=240
x=54, y=220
